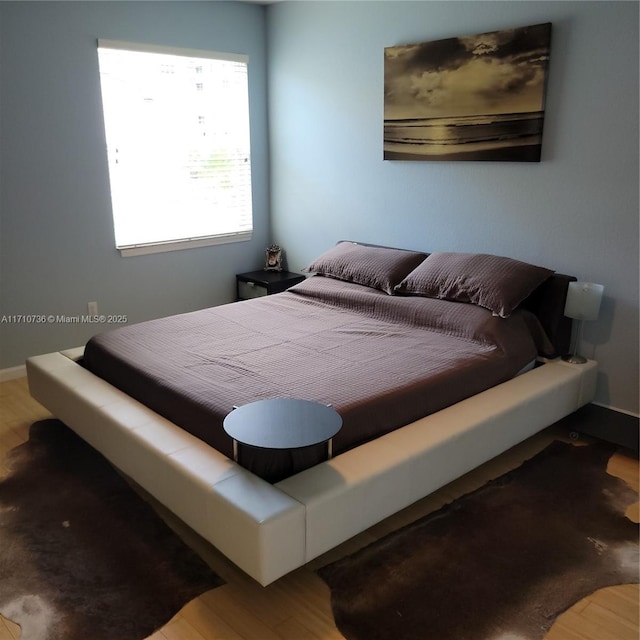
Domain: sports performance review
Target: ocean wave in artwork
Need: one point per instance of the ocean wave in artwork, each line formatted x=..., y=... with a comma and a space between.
x=463, y=134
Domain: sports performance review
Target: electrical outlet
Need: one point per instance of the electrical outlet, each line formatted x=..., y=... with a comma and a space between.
x=92, y=308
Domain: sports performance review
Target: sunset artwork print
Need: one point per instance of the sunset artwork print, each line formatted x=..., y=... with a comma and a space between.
x=467, y=98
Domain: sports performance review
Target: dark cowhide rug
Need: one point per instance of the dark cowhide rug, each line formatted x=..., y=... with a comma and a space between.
x=500, y=563
x=82, y=556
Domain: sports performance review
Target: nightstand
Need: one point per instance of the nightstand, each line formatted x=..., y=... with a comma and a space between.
x=264, y=283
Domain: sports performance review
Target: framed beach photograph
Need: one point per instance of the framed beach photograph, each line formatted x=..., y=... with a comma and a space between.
x=476, y=97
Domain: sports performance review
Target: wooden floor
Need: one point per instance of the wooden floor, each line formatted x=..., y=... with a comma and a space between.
x=296, y=607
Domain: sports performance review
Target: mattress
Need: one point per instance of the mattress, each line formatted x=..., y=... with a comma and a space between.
x=381, y=361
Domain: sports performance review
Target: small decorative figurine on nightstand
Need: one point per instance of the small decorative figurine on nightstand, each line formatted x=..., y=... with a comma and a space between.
x=274, y=258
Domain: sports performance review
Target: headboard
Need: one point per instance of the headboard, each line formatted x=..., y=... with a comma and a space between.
x=546, y=302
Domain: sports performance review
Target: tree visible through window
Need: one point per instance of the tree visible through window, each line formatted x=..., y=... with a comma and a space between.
x=178, y=146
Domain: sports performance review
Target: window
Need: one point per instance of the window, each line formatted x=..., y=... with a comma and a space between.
x=179, y=157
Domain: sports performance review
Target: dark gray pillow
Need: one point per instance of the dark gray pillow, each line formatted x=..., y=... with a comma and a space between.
x=494, y=282
x=377, y=267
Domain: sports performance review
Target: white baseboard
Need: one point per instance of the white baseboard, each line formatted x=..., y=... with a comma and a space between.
x=13, y=372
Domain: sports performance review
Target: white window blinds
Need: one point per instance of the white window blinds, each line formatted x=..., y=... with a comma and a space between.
x=178, y=146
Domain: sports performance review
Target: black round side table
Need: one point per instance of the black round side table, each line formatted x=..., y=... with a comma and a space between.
x=282, y=423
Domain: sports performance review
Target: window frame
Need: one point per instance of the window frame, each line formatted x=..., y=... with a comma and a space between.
x=161, y=246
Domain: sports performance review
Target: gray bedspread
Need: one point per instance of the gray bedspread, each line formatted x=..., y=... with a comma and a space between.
x=382, y=361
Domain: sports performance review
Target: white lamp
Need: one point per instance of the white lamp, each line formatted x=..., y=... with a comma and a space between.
x=583, y=303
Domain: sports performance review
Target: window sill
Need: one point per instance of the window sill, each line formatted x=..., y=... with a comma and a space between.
x=178, y=245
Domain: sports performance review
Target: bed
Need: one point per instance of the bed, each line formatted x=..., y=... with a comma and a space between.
x=436, y=363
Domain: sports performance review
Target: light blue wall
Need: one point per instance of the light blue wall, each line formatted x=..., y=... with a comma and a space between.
x=323, y=176
x=576, y=211
x=57, y=249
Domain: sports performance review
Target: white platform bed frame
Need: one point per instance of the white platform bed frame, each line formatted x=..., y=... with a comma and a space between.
x=269, y=530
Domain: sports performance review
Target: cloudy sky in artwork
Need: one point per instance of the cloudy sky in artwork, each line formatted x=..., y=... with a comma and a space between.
x=498, y=72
